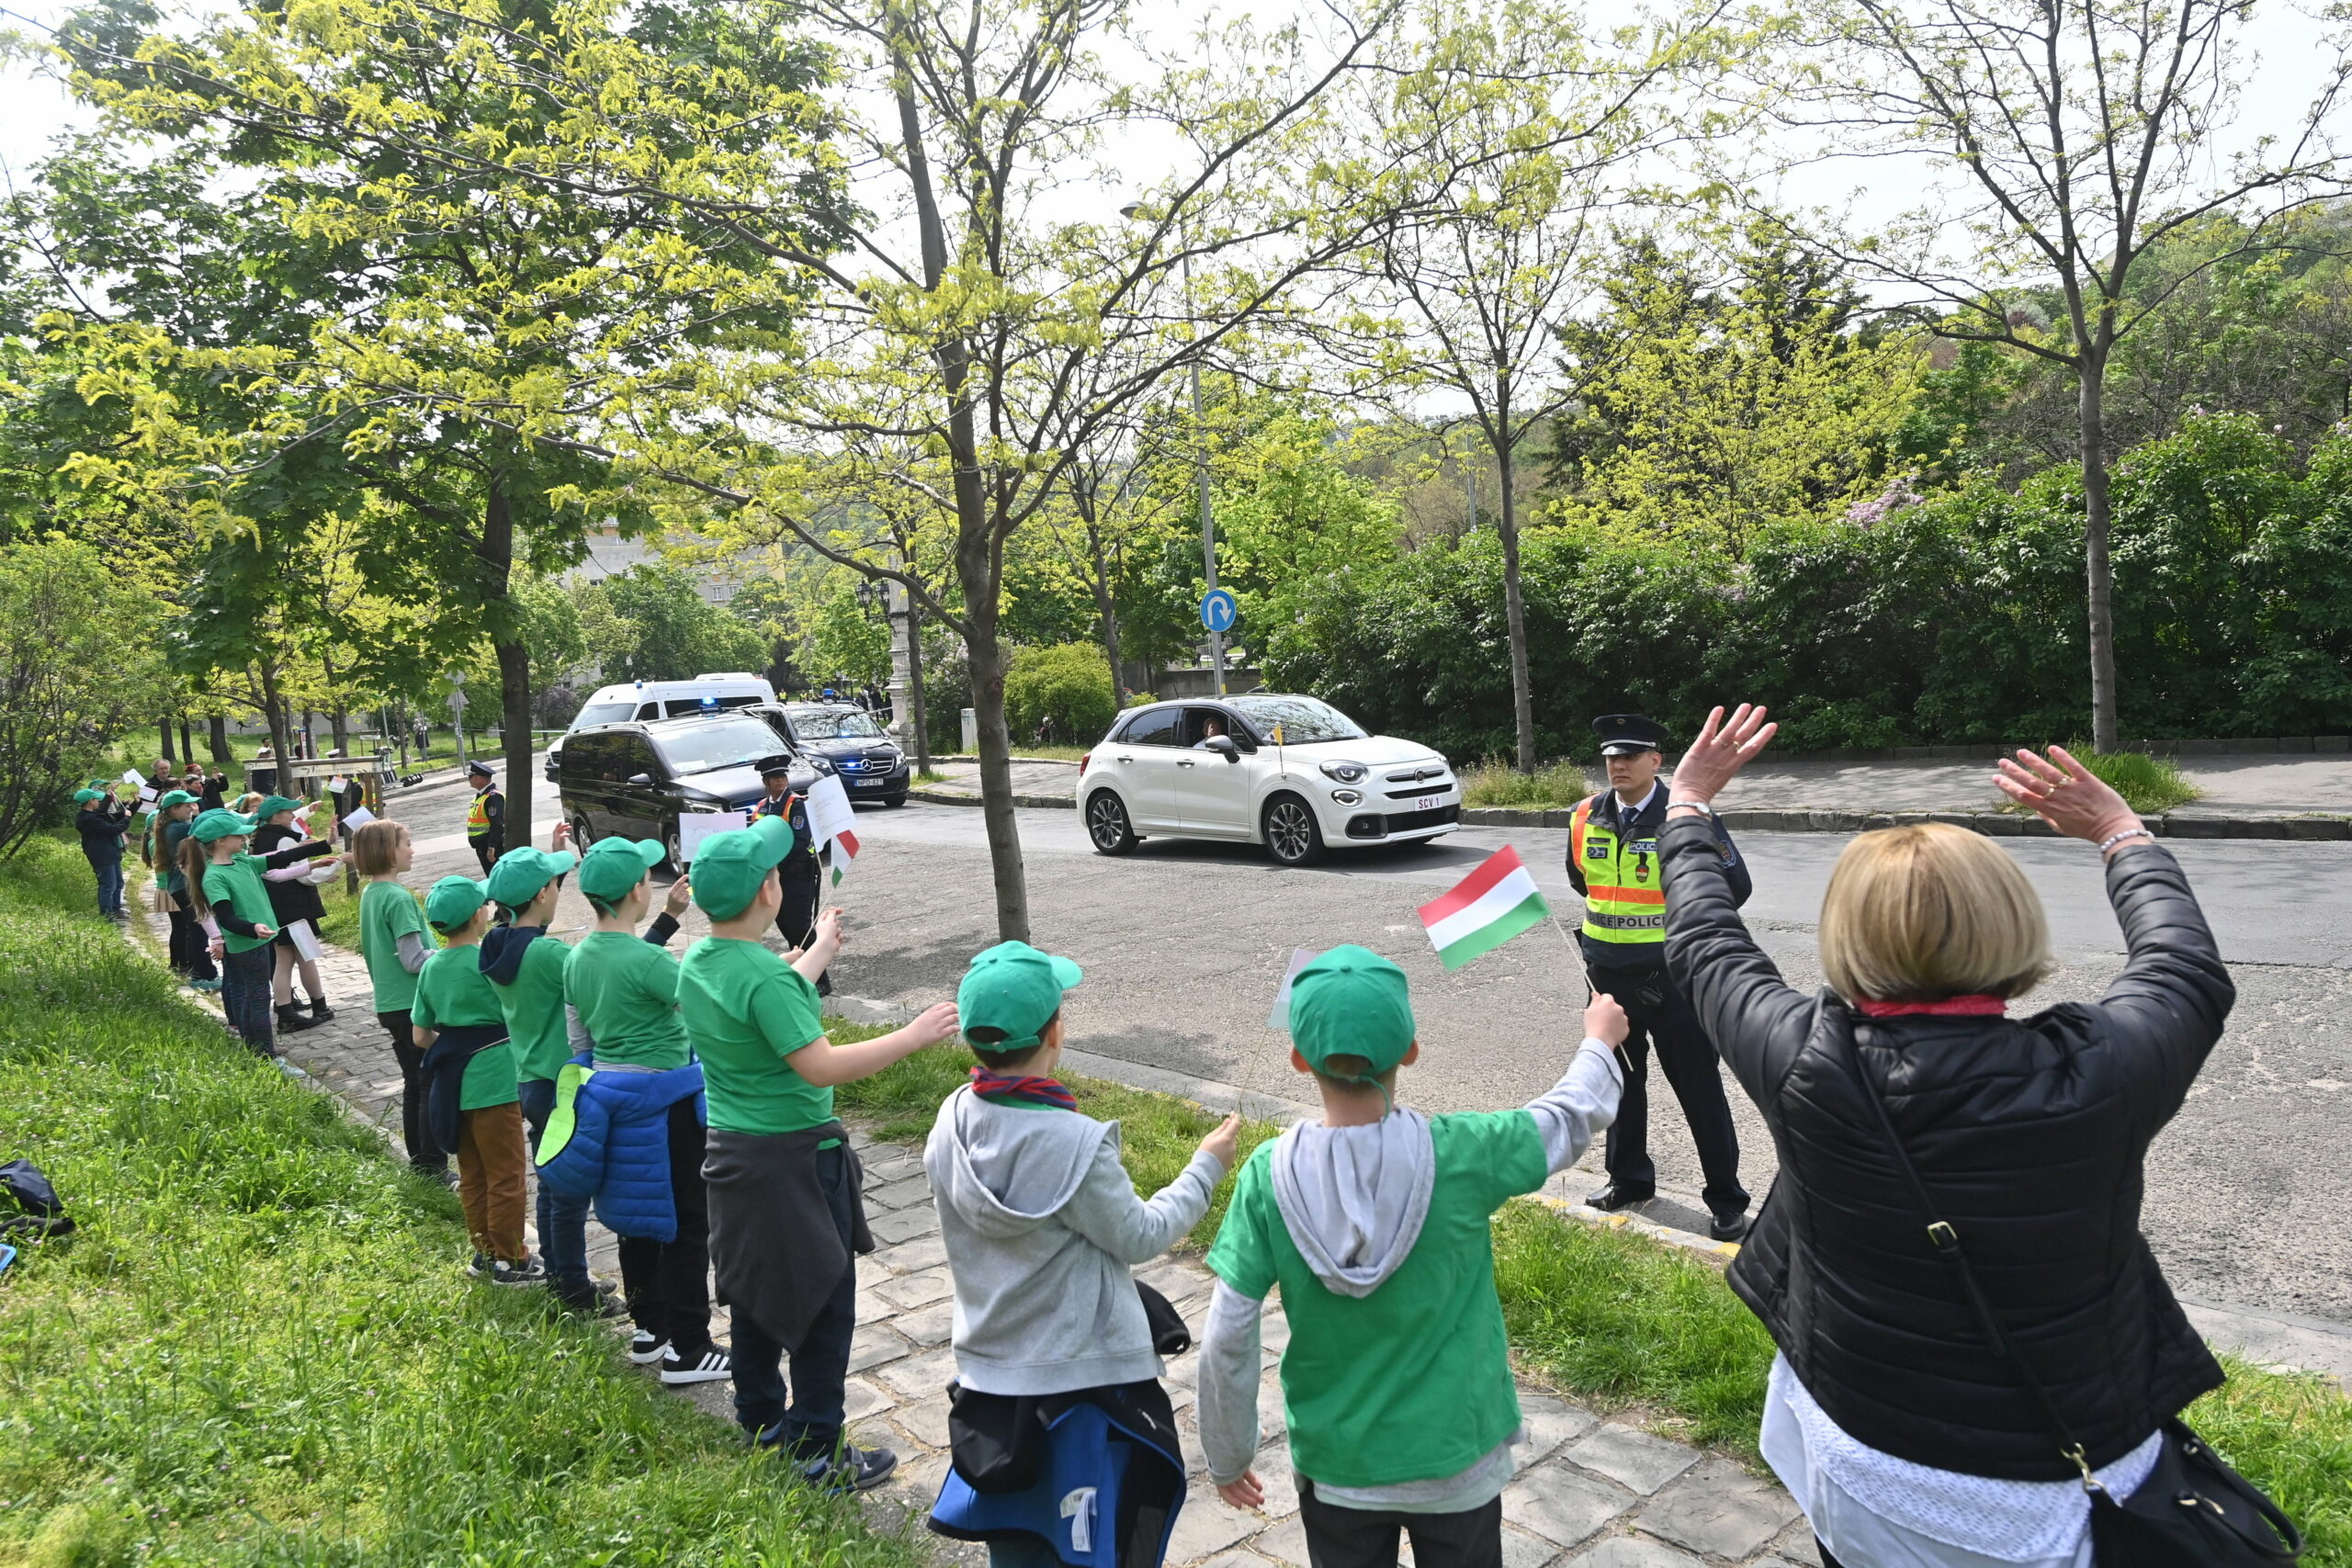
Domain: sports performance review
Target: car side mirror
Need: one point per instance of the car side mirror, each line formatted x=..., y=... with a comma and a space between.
x=1224, y=746
x=643, y=780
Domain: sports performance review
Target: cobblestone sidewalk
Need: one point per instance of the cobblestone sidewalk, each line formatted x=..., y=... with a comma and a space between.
x=1589, y=1495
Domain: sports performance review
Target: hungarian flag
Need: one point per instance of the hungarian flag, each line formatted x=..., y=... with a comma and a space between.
x=831, y=821
x=1486, y=909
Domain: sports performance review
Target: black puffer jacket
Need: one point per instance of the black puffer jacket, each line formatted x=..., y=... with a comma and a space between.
x=2029, y=1134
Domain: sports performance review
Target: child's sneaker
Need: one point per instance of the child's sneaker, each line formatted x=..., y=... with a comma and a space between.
x=708, y=1367
x=530, y=1271
x=645, y=1348
x=591, y=1301
x=481, y=1267
x=852, y=1470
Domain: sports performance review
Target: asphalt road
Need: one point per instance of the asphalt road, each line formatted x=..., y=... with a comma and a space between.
x=1184, y=945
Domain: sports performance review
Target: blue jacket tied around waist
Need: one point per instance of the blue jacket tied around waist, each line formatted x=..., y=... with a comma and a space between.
x=609, y=1138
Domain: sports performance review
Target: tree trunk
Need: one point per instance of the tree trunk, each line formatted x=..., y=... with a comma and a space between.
x=187, y=743
x=1104, y=605
x=281, y=738
x=1523, y=695
x=164, y=729
x=917, y=708
x=497, y=555
x=2098, y=572
x=987, y=662
x=218, y=738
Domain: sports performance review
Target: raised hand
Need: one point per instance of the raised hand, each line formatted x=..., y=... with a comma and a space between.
x=2067, y=796
x=1604, y=1021
x=935, y=1023
x=1225, y=1142
x=682, y=892
x=1721, y=749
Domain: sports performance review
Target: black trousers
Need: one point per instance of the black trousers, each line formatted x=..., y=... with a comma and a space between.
x=1661, y=1015
x=486, y=849
x=416, y=1127
x=191, y=950
x=796, y=922
x=667, y=1283
x=1362, y=1538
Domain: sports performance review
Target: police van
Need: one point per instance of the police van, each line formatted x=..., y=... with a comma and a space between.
x=708, y=693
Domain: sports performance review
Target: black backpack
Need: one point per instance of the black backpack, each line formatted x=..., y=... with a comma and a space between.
x=41, y=1213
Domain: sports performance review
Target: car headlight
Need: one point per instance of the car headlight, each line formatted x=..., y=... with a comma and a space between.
x=698, y=806
x=1346, y=772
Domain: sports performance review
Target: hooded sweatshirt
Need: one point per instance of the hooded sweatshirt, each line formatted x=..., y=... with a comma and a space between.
x=1402, y=1400
x=1041, y=1225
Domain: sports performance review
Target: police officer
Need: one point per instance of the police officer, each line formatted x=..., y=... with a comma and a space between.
x=796, y=921
x=1612, y=860
x=486, y=818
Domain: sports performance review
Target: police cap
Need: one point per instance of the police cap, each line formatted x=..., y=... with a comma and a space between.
x=1622, y=734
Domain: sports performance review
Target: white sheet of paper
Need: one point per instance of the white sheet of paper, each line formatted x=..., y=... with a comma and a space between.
x=1300, y=957
x=132, y=776
x=360, y=817
x=694, y=827
x=305, y=940
x=147, y=796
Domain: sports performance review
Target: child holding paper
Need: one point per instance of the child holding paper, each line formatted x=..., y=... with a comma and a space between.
x=1397, y=1380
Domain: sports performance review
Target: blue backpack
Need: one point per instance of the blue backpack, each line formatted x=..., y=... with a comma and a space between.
x=1098, y=1474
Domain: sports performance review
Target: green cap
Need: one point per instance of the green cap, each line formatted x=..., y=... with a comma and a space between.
x=518, y=875
x=453, y=901
x=1010, y=991
x=613, y=866
x=730, y=867
x=84, y=797
x=217, y=824
x=1352, y=1002
x=273, y=804
x=172, y=797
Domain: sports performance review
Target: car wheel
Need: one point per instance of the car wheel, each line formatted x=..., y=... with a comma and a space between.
x=894, y=800
x=670, y=843
x=581, y=837
x=1107, y=825
x=1293, y=836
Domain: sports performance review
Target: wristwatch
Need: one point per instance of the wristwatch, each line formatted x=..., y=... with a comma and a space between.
x=1693, y=804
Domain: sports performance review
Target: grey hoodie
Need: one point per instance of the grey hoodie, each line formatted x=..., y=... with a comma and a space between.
x=1041, y=1224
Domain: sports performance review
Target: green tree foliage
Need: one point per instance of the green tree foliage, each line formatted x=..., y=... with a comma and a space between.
x=1955, y=619
x=1059, y=694
x=845, y=639
x=650, y=622
x=77, y=672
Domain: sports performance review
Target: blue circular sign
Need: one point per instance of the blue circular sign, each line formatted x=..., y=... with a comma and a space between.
x=1218, y=612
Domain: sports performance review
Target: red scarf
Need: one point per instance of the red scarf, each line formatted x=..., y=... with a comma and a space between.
x=1020, y=1089
x=1951, y=1007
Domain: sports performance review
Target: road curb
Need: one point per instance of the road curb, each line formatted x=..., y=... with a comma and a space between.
x=2312, y=827
x=1034, y=802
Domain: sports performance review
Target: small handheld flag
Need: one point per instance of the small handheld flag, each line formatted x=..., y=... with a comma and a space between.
x=831, y=820
x=1486, y=909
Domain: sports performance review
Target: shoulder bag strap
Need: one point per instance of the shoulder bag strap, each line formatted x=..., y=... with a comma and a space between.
x=1945, y=1241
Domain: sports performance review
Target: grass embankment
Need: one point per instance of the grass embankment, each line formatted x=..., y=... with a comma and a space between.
x=260, y=1347
x=1621, y=1320
x=2148, y=784
x=1554, y=787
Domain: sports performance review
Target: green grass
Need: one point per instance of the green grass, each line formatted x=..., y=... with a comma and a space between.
x=1494, y=782
x=2148, y=784
x=1157, y=1132
x=260, y=1348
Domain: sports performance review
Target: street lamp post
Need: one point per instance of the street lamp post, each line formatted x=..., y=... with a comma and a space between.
x=1135, y=209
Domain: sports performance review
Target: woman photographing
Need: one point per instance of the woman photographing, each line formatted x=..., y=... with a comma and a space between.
x=1911, y=1431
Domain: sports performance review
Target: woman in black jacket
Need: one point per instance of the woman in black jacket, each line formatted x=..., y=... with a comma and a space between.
x=1908, y=1440
x=299, y=909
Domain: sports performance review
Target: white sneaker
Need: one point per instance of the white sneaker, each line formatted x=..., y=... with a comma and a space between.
x=711, y=1366
x=645, y=1349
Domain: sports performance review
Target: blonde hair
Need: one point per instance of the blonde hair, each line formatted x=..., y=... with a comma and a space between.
x=1924, y=912
x=375, y=845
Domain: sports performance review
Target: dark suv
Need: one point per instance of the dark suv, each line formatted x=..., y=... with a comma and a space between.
x=633, y=780
x=870, y=763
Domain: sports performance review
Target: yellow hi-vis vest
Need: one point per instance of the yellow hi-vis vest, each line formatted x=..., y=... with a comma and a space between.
x=1624, y=899
x=477, y=816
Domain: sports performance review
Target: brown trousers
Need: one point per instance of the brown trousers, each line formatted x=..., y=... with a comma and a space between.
x=492, y=1163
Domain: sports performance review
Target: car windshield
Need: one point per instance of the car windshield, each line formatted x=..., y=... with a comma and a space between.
x=723, y=743
x=1304, y=720
x=834, y=724
x=604, y=712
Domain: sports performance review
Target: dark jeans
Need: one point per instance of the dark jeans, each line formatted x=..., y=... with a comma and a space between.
x=1365, y=1537
x=486, y=851
x=820, y=1366
x=667, y=1283
x=191, y=953
x=563, y=1222
x=109, y=874
x=416, y=1127
x=795, y=919
x=245, y=998
x=1658, y=1012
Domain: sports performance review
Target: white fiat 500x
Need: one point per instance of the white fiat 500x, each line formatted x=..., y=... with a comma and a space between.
x=1292, y=774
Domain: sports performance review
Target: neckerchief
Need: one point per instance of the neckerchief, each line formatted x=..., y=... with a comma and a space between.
x=1951, y=1007
x=1019, y=1088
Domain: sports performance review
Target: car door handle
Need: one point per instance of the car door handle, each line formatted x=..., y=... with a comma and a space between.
x=1127, y=759
x=1183, y=762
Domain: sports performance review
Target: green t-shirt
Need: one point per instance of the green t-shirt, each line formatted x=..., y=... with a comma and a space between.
x=747, y=1012
x=238, y=885
x=627, y=991
x=387, y=912
x=1413, y=1382
x=534, y=1004
x=453, y=993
